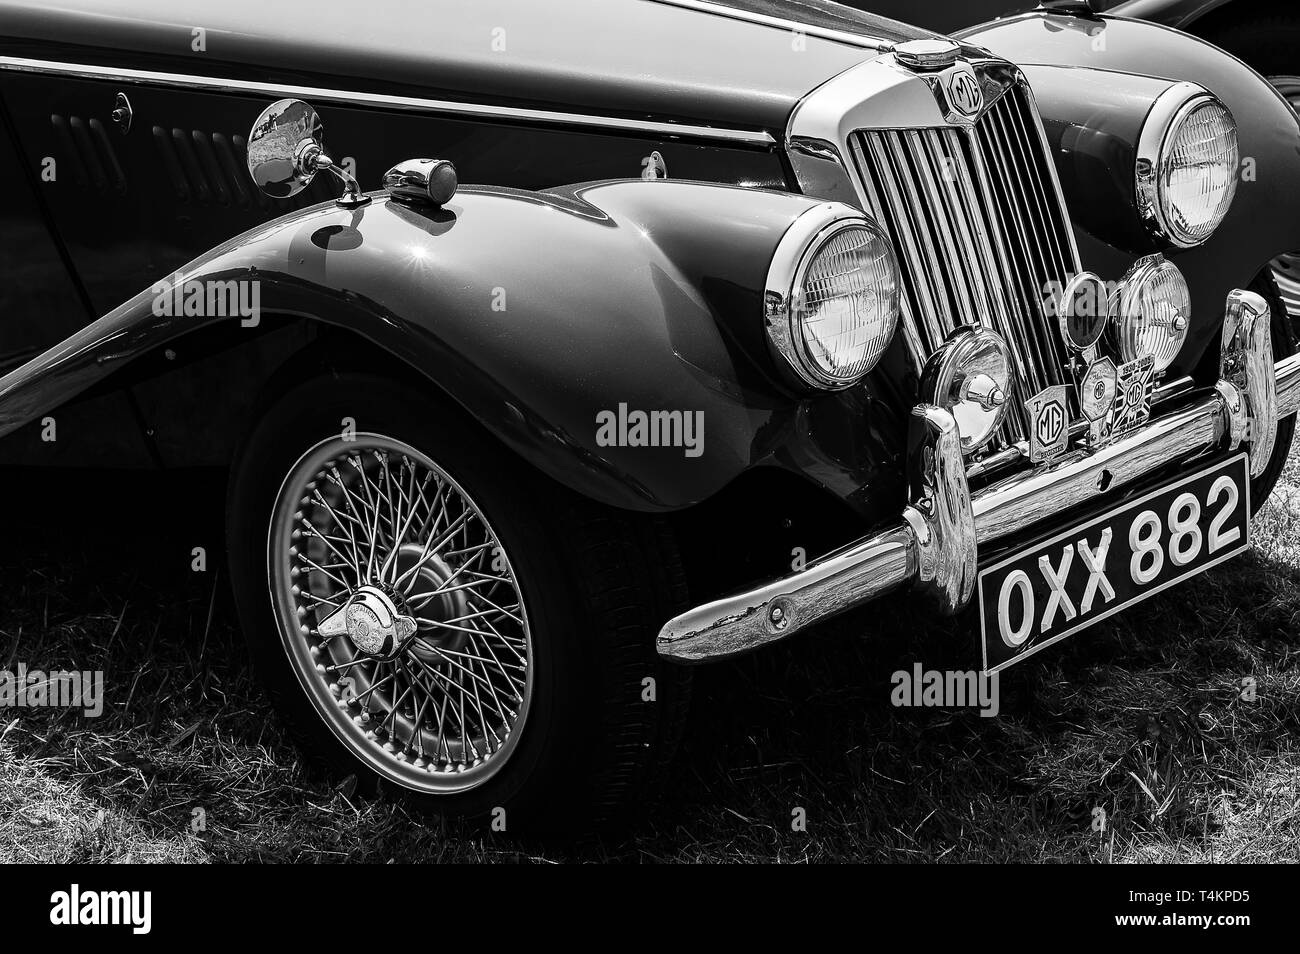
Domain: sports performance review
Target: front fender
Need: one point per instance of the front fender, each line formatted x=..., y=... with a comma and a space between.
x=1095, y=79
x=535, y=311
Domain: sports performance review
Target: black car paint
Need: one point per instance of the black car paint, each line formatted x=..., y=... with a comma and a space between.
x=848, y=444
x=180, y=194
x=642, y=59
x=168, y=196
x=424, y=285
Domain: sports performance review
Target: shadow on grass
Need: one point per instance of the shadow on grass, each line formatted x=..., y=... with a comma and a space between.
x=1139, y=721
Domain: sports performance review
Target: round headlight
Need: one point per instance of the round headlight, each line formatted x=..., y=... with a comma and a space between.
x=1152, y=311
x=970, y=375
x=832, y=296
x=1187, y=165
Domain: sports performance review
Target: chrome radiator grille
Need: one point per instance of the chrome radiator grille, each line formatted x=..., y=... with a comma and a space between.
x=981, y=236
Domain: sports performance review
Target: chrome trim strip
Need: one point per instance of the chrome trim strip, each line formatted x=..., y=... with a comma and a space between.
x=1022, y=500
x=886, y=561
x=1071, y=252
x=780, y=23
x=998, y=259
x=820, y=172
x=1003, y=458
x=874, y=94
x=902, y=211
x=745, y=622
x=1011, y=238
x=1031, y=214
x=953, y=242
x=1172, y=389
x=383, y=100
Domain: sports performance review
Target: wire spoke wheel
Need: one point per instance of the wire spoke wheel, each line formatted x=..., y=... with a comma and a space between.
x=400, y=613
x=1286, y=268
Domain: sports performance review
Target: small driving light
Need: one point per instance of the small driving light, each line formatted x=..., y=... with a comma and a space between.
x=1152, y=311
x=970, y=376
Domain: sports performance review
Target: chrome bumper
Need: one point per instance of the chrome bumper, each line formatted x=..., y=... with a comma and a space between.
x=935, y=547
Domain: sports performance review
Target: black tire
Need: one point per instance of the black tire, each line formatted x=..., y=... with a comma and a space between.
x=596, y=584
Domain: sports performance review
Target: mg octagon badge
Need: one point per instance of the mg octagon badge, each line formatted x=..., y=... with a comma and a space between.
x=1049, y=423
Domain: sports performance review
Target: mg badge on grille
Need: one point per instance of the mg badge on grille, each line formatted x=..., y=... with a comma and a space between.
x=962, y=88
x=1049, y=423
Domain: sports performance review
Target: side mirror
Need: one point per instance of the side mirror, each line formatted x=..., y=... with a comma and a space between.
x=286, y=149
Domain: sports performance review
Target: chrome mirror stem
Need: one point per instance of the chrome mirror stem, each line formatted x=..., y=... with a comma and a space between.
x=352, y=195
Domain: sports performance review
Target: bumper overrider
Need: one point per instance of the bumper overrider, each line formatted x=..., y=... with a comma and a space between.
x=935, y=547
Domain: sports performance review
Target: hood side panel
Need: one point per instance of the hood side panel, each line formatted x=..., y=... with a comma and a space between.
x=635, y=58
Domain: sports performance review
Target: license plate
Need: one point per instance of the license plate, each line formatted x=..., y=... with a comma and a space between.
x=1042, y=595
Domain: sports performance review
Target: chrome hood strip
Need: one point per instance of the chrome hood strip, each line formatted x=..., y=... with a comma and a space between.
x=780, y=23
x=384, y=101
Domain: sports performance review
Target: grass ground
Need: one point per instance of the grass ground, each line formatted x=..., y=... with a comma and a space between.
x=1141, y=717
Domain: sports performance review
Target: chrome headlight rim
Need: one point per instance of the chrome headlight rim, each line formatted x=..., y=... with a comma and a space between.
x=794, y=255
x=1168, y=113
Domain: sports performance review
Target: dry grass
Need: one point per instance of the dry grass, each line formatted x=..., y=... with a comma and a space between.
x=1140, y=717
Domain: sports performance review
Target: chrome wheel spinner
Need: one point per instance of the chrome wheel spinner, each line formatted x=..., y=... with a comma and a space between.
x=373, y=621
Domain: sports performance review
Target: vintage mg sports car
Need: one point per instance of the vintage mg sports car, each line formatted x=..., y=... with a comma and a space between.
x=755, y=312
